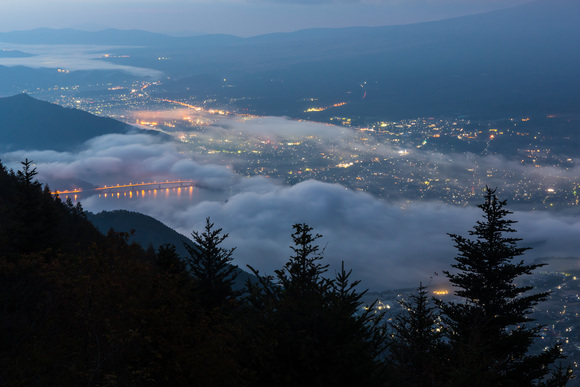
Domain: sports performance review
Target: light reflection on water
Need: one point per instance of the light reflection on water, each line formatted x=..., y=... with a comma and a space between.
x=173, y=199
x=178, y=192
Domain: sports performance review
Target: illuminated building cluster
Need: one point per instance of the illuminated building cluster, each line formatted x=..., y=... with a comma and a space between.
x=444, y=159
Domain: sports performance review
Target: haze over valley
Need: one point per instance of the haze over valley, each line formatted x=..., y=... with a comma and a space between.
x=375, y=136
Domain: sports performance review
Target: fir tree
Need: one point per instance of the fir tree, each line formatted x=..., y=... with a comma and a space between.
x=302, y=274
x=416, y=343
x=168, y=260
x=313, y=325
x=357, y=334
x=26, y=175
x=210, y=265
x=33, y=226
x=491, y=332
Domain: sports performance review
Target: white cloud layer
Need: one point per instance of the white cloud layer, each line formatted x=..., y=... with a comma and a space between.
x=119, y=158
x=387, y=244
x=70, y=57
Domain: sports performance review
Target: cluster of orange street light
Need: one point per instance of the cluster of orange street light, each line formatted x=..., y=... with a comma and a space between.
x=130, y=185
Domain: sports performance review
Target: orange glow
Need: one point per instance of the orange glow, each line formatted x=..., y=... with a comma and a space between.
x=148, y=123
x=198, y=108
x=320, y=109
x=117, y=189
x=78, y=190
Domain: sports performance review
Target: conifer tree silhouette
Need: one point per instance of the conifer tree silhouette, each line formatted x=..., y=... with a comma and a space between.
x=490, y=333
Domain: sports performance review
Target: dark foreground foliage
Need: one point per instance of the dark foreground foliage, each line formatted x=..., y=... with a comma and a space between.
x=81, y=308
x=484, y=340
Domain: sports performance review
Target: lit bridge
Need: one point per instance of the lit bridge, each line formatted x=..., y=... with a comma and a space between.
x=129, y=188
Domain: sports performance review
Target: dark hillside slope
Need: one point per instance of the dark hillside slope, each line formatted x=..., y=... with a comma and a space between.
x=33, y=124
x=81, y=308
x=33, y=220
x=149, y=231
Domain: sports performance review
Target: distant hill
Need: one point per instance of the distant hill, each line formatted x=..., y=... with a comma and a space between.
x=148, y=231
x=516, y=61
x=28, y=123
x=21, y=79
x=71, y=36
x=519, y=60
x=113, y=37
x=4, y=53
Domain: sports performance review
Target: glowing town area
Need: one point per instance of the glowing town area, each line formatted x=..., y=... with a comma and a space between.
x=443, y=159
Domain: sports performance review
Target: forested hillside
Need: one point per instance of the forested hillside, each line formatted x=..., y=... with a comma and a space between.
x=82, y=308
x=151, y=234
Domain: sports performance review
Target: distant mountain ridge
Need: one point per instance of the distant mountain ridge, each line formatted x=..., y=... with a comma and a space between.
x=73, y=36
x=110, y=36
x=29, y=123
x=4, y=53
x=523, y=59
x=561, y=11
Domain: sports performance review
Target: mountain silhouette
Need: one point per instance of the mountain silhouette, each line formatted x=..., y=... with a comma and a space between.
x=28, y=123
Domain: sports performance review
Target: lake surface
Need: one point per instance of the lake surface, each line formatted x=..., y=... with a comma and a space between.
x=172, y=199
